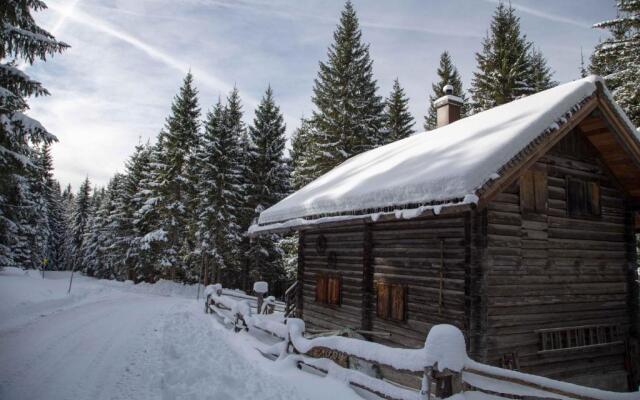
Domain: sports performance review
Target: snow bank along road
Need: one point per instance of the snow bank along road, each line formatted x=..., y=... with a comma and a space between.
x=114, y=340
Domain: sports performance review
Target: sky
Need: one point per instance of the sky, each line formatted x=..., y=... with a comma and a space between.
x=114, y=87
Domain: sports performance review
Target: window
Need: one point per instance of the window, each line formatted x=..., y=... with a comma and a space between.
x=583, y=198
x=533, y=192
x=578, y=337
x=391, y=301
x=328, y=289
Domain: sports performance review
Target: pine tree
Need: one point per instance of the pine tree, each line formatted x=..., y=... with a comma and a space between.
x=540, y=76
x=267, y=183
x=349, y=115
x=398, y=120
x=301, y=157
x=447, y=75
x=617, y=58
x=79, y=223
x=91, y=248
x=583, y=69
x=235, y=127
x=219, y=192
x=136, y=169
x=59, y=227
x=149, y=241
x=55, y=225
x=68, y=206
x=504, y=67
x=179, y=141
x=21, y=39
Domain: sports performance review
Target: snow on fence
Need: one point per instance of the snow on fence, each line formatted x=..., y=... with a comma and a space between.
x=446, y=369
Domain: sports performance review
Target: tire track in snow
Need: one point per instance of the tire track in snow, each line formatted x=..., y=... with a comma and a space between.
x=74, y=354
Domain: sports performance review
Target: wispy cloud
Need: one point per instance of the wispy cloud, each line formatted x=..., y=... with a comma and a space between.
x=293, y=13
x=207, y=78
x=546, y=15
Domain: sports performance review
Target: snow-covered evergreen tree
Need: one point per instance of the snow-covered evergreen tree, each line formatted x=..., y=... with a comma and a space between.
x=235, y=127
x=220, y=195
x=617, y=58
x=149, y=260
x=447, y=75
x=79, y=222
x=267, y=183
x=91, y=248
x=136, y=168
x=58, y=226
x=583, y=68
x=398, y=122
x=301, y=165
x=179, y=140
x=504, y=64
x=540, y=76
x=112, y=235
x=68, y=205
x=21, y=40
x=349, y=113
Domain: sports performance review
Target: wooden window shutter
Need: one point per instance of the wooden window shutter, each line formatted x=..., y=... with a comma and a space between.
x=398, y=301
x=593, y=189
x=384, y=297
x=527, y=192
x=540, y=190
x=321, y=288
x=334, y=290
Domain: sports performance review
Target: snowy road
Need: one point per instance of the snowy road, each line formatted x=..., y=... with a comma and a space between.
x=107, y=341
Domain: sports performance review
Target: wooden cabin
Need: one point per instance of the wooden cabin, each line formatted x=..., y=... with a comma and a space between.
x=517, y=225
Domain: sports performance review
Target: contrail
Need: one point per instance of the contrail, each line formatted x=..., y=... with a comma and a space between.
x=64, y=13
x=546, y=15
x=97, y=24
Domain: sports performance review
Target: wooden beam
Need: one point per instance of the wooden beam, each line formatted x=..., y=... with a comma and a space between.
x=528, y=384
x=367, y=279
x=592, y=123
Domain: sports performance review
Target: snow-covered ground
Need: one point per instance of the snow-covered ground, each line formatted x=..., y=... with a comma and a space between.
x=115, y=340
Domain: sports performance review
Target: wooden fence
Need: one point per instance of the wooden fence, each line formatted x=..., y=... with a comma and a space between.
x=442, y=364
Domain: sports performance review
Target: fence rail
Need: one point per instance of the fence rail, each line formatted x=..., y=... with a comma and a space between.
x=443, y=364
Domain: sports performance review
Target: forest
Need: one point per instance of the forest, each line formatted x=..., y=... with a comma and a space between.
x=182, y=207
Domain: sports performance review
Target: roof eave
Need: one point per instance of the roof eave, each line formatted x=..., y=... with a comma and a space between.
x=395, y=215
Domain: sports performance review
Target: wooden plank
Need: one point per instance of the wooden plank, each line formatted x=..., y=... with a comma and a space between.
x=367, y=279
x=527, y=193
x=383, y=300
x=540, y=188
x=398, y=301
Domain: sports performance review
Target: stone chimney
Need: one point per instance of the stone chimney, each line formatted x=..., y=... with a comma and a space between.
x=448, y=107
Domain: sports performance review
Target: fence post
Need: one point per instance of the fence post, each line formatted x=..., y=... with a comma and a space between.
x=260, y=288
x=425, y=387
x=445, y=352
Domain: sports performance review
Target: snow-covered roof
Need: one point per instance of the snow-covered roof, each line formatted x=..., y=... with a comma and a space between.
x=430, y=169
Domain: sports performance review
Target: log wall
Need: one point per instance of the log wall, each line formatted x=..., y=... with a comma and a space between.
x=427, y=256
x=549, y=270
x=347, y=245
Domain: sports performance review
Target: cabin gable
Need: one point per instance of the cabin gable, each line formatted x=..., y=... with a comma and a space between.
x=557, y=260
